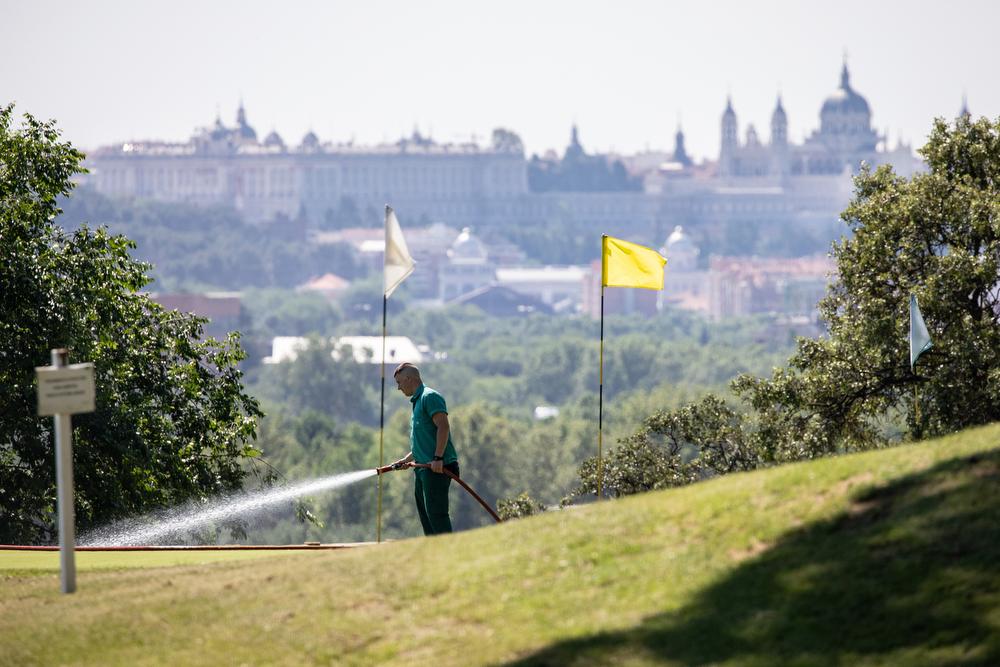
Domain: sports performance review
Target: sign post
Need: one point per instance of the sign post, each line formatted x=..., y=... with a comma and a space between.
x=64, y=390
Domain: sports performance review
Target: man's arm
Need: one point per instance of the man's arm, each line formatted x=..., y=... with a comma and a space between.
x=406, y=459
x=440, y=420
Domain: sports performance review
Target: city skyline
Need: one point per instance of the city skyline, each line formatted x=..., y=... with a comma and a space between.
x=373, y=73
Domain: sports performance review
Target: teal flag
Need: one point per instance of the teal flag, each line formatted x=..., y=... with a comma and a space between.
x=920, y=340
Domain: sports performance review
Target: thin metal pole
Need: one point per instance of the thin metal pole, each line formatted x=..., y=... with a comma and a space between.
x=64, y=488
x=600, y=407
x=381, y=424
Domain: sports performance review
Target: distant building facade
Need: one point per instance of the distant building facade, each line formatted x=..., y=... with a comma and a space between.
x=740, y=286
x=469, y=185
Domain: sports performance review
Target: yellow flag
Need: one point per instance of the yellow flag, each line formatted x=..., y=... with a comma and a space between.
x=625, y=264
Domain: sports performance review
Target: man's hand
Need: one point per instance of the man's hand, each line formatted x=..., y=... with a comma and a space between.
x=437, y=466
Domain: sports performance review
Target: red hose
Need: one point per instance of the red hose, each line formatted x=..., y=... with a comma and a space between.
x=454, y=477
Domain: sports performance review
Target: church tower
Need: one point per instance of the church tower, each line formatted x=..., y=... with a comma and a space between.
x=575, y=149
x=779, y=140
x=779, y=126
x=680, y=153
x=244, y=134
x=730, y=141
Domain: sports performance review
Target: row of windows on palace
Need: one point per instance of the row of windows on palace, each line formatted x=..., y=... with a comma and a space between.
x=265, y=182
x=533, y=207
x=279, y=183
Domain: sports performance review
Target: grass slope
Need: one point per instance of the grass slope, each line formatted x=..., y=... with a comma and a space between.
x=883, y=558
x=47, y=562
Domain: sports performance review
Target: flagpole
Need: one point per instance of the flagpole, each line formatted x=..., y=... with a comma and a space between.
x=600, y=406
x=381, y=424
x=623, y=264
x=397, y=265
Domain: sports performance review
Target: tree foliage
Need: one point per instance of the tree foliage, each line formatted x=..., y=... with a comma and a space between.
x=319, y=380
x=193, y=247
x=937, y=236
x=172, y=419
x=506, y=141
x=673, y=448
x=517, y=508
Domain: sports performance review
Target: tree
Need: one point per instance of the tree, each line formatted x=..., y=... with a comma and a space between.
x=315, y=380
x=278, y=312
x=673, y=448
x=210, y=247
x=506, y=141
x=517, y=508
x=937, y=236
x=172, y=421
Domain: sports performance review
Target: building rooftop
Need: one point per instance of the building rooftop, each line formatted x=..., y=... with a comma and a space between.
x=364, y=349
x=561, y=274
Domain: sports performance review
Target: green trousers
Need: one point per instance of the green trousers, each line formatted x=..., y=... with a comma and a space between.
x=430, y=490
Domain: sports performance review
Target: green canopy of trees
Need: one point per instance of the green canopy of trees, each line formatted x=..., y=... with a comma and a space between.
x=191, y=247
x=172, y=422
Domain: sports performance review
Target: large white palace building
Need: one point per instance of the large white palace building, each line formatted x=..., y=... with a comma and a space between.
x=470, y=184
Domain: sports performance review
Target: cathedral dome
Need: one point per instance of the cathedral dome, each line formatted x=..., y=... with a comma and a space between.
x=845, y=122
x=310, y=140
x=467, y=247
x=274, y=139
x=680, y=251
x=247, y=132
x=218, y=131
x=845, y=100
x=677, y=237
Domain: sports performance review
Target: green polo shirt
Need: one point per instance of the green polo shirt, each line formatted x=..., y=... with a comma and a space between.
x=423, y=432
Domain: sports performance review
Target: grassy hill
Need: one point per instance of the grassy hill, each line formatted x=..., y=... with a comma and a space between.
x=883, y=558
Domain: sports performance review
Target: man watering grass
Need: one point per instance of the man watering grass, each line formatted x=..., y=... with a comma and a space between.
x=430, y=443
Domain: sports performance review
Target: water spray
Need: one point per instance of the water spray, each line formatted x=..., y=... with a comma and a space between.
x=410, y=464
x=148, y=529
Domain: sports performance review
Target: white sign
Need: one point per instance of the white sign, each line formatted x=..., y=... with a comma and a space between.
x=65, y=390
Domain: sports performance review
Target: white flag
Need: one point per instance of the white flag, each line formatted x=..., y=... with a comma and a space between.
x=398, y=263
x=920, y=340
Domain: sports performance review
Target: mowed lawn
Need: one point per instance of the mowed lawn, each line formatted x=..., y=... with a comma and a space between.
x=883, y=558
x=47, y=562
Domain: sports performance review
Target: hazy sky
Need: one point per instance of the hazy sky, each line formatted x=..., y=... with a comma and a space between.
x=624, y=71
